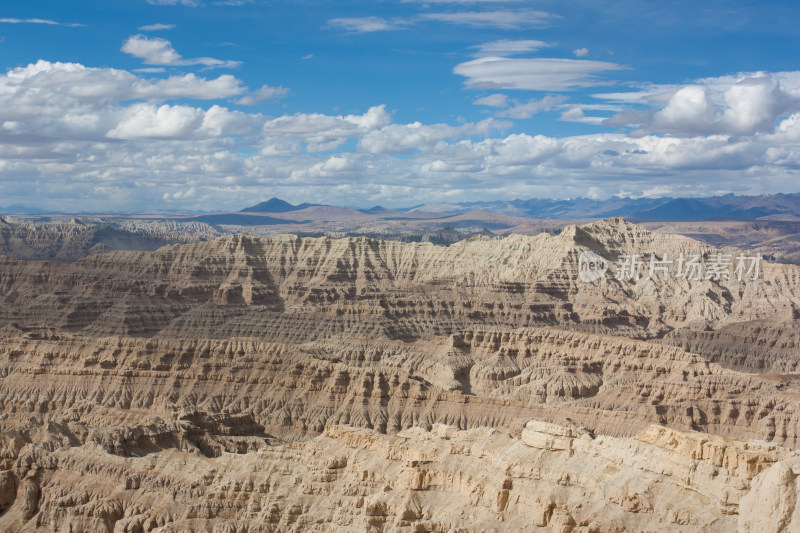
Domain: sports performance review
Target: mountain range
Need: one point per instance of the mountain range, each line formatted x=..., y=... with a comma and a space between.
x=730, y=207
x=785, y=207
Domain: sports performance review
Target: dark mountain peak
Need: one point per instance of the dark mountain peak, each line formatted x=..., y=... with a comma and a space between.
x=275, y=205
x=377, y=210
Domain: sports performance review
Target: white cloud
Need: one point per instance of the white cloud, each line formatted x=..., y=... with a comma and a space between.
x=493, y=100
x=788, y=131
x=366, y=24
x=71, y=85
x=575, y=113
x=142, y=121
x=157, y=51
x=735, y=105
x=753, y=103
x=581, y=52
x=92, y=138
x=198, y=3
x=531, y=107
x=152, y=51
x=540, y=74
x=190, y=86
x=502, y=19
x=405, y=138
x=188, y=3
x=338, y=167
x=65, y=101
x=157, y=27
x=505, y=19
x=459, y=1
x=264, y=93
x=148, y=121
x=320, y=133
x=688, y=109
x=38, y=21
x=506, y=47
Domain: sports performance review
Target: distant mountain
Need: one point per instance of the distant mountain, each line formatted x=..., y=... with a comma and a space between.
x=723, y=207
x=275, y=205
x=571, y=209
x=729, y=206
x=25, y=210
x=378, y=210
x=675, y=209
x=679, y=209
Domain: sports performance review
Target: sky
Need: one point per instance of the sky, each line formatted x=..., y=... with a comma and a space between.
x=215, y=105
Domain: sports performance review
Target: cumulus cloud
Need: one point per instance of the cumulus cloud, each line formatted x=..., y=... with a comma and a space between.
x=580, y=52
x=688, y=109
x=406, y=138
x=742, y=105
x=538, y=74
x=141, y=121
x=788, y=131
x=88, y=138
x=321, y=133
x=72, y=84
x=149, y=121
x=157, y=51
x=62, y=102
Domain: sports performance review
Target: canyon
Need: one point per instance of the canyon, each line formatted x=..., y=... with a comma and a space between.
x=211, y=382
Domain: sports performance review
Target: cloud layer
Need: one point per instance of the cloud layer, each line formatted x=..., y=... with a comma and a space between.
x=76, y=137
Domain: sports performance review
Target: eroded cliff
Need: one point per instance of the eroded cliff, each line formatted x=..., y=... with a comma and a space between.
x=287, y=383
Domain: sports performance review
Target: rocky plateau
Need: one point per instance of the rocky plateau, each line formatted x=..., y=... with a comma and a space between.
x=283, y=383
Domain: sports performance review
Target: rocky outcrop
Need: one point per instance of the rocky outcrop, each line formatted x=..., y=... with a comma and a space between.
x=69, y=239
x=772, y=502
x=548, y=478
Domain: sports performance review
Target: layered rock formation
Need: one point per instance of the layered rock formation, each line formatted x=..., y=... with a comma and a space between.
x=70, y=239
x=288, y=383
x=549, y=477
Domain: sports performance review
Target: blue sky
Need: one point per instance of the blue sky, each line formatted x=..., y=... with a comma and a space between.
x=213, y=105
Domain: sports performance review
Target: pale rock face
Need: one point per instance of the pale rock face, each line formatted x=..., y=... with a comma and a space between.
x=772, y=503
x=294, y=384
x=352, y=479
x=72, y=240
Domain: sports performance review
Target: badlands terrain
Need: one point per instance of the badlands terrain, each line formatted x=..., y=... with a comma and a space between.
x=165, y=378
